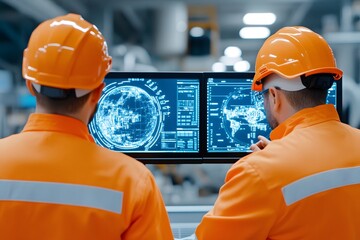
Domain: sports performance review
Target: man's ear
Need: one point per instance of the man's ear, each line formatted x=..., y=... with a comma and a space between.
x=96, y=93
x=30, y=87
x=275, y=98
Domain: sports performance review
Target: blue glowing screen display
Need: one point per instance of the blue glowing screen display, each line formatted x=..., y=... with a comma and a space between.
x=235, y=116
x=148, y=115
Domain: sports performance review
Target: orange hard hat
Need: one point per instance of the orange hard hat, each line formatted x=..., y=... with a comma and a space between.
x=66, y=52
x=292, y=52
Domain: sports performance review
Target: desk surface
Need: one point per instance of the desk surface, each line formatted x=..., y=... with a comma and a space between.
x=184, y=219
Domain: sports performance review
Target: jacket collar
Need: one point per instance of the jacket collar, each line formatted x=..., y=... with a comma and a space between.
x=57, y=123
x=304, y=118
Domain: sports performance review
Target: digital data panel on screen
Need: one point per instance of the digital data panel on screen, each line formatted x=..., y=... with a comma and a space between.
x=235, y=116
x=144, y=115
x=332, y=95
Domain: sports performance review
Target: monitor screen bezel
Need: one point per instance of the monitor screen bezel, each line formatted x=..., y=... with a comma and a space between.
x=167, y=157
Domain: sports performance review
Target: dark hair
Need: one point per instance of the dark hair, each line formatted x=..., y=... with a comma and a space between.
x=315, y=94
x=306, y=98
x=67, y=105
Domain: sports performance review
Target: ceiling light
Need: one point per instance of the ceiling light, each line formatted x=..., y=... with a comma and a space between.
x=259, y=18
x=242, y=66
x=218, y=67
x=197, y=32
x=233, y=52
x=229, y=61
x=254, y=32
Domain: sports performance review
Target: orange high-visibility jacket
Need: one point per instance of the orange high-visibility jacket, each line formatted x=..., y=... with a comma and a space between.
x=304, y=185
x=56, y=183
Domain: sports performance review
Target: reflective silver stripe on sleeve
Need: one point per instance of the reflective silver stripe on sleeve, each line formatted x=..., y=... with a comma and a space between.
x=320, y=182
x=192, y=237
x=61, y=193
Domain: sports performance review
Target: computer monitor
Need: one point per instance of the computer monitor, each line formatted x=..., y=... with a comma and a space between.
x=235, y=117
x=183, y=117
x=154, y=117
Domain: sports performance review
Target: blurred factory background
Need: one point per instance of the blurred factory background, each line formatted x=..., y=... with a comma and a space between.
x=184, y=35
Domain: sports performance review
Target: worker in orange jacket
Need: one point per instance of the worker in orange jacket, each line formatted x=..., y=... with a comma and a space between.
x=55, y=182
x=305, y=183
